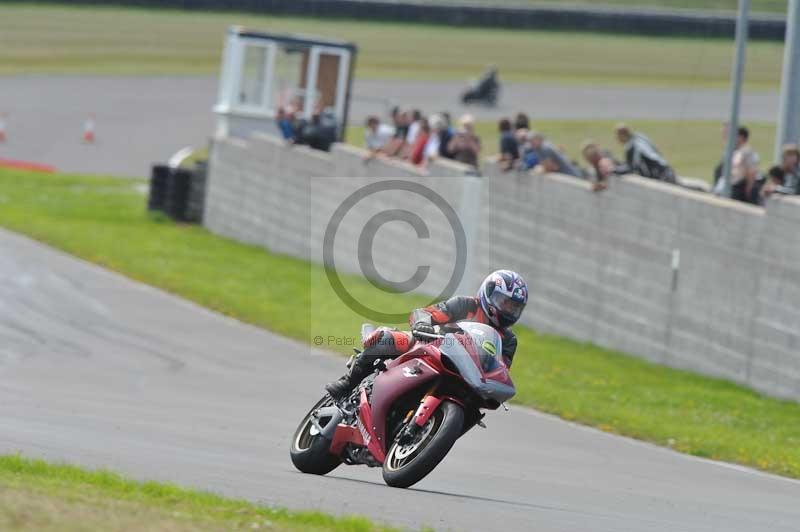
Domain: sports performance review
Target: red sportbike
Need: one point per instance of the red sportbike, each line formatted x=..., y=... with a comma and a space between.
x=407, y=415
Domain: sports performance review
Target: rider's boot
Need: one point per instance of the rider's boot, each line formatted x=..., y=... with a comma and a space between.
x=361, y=367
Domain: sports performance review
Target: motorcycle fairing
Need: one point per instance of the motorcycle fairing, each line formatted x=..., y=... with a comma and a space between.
x=389, y=385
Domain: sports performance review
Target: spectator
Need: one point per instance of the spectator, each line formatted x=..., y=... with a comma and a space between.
x=774, y=183
x=521, y=121
x=465, y=145
x=414, y=122
x=509, y=149
x=550, y=159
x=285, y=125
x=744, y=167
x=602, y=164
x=790, y=164
x=397, y=144
x=438, y=133
x=417, y=153
x=642, y=157
x=445, y=135
x=377, y=135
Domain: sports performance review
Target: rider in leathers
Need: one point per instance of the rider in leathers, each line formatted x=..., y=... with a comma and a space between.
x=501, y=298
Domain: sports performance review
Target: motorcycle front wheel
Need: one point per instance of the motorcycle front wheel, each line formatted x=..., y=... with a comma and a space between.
x=409, y=463
x=310, y=450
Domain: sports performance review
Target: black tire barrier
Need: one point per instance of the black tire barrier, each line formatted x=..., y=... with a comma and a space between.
x=159, y=177
x=611, y=20
x=178, y=192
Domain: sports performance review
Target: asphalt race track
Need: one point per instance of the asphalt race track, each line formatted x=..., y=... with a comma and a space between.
x=142, y=120
x=102, y=371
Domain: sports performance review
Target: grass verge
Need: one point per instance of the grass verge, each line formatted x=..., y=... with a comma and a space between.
x=43, y=497
x=103, y=220
x=42, y=39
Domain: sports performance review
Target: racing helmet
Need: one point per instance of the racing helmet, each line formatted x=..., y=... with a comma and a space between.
x=503, y=295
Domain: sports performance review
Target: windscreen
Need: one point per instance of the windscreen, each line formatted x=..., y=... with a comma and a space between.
x=489, y=347
x=486, y=341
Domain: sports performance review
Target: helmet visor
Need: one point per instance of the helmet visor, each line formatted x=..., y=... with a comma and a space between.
x=510, y=309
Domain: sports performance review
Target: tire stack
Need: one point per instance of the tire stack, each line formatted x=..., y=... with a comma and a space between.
x=178, y=192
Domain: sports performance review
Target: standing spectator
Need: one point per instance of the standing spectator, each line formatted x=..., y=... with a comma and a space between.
x=744, y=165
x=417, y=153
x=550, y=159
x=397, y=144
x=774, y=183
x=377, y=135
x=414, y=123
x=642, y=156
x=744, y=168
x=790, y=164
x=465, y=145
x=285, y=125
x=438, y=132
x=445, y=135
x=602, y=164
x=509, y=149
x=521, y=121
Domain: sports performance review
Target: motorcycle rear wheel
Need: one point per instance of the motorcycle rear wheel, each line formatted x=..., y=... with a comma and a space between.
x=310, y=451
x=405, y=465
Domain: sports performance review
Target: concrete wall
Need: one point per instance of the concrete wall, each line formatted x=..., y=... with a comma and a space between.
x=600, y=266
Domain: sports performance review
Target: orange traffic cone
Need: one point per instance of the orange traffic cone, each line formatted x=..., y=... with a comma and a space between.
x=3, y=137
x=88, y=130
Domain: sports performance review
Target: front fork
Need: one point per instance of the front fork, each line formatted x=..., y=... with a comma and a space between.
x=415, y=420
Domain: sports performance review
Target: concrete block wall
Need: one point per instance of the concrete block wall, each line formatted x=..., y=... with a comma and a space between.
x=600, y=265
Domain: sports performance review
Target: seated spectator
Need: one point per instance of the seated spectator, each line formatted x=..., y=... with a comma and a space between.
x=602, y=165
x=377, y=135
x=550, y=159
x=285, y=124
x=465, y=146
x=642, y=157
x=417, y=152
x=509, y=149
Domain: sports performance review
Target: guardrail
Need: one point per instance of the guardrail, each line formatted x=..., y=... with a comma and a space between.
x=576, y=18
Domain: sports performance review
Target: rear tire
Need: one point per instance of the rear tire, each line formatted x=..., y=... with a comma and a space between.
x=310, y=452
x=406, y=465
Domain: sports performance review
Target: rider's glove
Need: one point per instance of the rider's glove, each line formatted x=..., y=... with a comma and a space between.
x=422, y=327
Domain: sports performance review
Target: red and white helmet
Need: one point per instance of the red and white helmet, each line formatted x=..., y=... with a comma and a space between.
x=503, y=295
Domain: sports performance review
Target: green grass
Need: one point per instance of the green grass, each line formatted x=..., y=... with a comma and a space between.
x=39, y=496
x=693, y=147
x=103, y=220
x=106, y=40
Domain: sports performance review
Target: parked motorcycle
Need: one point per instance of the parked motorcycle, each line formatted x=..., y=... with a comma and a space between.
x=407, y=415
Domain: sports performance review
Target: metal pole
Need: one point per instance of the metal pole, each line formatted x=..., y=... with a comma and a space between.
x=789, y=111
x=736, y=93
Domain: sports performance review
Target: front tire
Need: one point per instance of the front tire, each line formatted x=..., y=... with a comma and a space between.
x=406, y=465
x=310, y=451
